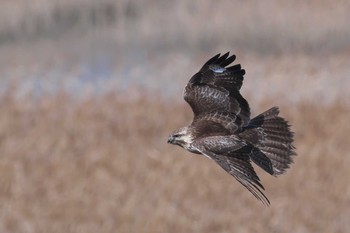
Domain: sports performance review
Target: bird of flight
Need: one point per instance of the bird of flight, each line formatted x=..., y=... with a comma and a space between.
x=223, y=131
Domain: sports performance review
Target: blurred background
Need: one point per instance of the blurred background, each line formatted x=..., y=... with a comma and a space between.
x=90, y=90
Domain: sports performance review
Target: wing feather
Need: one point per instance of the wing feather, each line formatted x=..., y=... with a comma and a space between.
x=226, y=153
x=229, y=122
x=241, y=169
x=216, y=88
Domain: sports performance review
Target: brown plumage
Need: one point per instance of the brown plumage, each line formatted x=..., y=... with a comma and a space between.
x=223, y=131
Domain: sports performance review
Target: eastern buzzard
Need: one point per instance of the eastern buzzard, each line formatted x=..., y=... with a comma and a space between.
x=223, y=131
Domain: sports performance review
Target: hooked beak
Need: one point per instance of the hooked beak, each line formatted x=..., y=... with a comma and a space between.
x=171, y=139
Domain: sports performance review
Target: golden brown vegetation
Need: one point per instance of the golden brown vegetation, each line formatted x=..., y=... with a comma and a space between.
x=103, y=165
x=70, y=163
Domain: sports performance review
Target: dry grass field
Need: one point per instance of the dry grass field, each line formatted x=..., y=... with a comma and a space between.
x=91, y=89
x=103, y=165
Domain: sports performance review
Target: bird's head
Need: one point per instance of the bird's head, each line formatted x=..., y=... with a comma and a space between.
x=181, y=137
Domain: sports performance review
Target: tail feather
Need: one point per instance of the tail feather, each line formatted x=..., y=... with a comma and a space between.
x=274, y=140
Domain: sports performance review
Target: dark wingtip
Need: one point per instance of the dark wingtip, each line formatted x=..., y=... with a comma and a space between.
x=228, y=60
x=223, y=60
x=211, y=60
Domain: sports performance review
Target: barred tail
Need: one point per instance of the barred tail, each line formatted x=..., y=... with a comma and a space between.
x=273, y=151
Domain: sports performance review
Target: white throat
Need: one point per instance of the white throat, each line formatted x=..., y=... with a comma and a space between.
x=187, y=139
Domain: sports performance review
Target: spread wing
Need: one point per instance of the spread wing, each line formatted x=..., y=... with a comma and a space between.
x=239, y=166
x=233, y=156
x=215, y=88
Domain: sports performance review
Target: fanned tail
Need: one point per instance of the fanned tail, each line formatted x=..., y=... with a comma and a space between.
x=273, y=147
